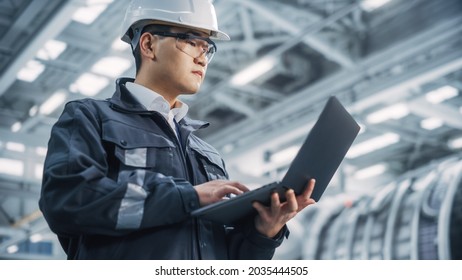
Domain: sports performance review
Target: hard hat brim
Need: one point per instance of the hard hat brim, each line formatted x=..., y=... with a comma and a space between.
x=214, y=34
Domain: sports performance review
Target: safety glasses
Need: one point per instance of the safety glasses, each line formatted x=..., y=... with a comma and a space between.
x=194, y=46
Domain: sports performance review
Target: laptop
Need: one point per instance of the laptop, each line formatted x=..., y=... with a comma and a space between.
x=319, y=157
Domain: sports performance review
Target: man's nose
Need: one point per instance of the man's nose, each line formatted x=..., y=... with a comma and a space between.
x=201, y=59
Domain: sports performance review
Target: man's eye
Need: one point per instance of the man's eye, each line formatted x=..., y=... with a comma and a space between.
x=192, y=43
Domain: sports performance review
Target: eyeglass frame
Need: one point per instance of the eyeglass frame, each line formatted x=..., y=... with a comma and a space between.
x=185, y=36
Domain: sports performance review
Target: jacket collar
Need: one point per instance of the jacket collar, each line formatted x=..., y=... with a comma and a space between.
x=123, y=100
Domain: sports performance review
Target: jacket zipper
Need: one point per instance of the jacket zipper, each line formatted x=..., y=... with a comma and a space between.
x=195, y=231
x=195, y=224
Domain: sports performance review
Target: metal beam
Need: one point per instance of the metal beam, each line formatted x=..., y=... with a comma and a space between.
x=233, y=103
x=262, y=93
x=261, y=42
x=219, y=88
x=54, y=26
x=24, y=235
x=84, y=40
x=247, y=27
x=311, y=40
x=31, y=123
x=23, y=194
x=342, y=83
x=448, y=115
x=22, y=22
x=25, y=138
x=9, y=231
x=431, y=39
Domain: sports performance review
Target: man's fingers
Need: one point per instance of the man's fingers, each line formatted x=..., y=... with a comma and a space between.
x=228, y=189
x=225, y=188
x=238, y=185
x=275, y=203
x=309, y=189
x=216, y=190
x=292, y=204
x=304, y=199
x=261, y=209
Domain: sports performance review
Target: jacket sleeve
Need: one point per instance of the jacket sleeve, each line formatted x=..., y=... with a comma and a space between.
x=78, y=196
x=246, y=243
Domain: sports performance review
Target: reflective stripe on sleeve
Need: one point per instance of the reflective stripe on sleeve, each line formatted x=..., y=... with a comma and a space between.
x=132, y=206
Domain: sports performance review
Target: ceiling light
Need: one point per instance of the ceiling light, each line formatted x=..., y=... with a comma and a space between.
x=89, y=13
x=56, y=100
x=285, y=155
x=34, y=238
x=370, y=5
x=38, y=171
x=395, y=112
x=33, y=110
x=12, y=249
x=16, y=127
x=89, y=84
x=253, y=71
x=15, y=147
x=111, y=66
x=373, y=144
x=120, y=45
x=431, y=123
x=441, y=94
x=455, y=143
x=41, y=151
x=51, y=50
x=31, y=71
x=370, y=171
x=11, y=167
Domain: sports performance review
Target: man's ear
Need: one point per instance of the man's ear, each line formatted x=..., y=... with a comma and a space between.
x=147, y=45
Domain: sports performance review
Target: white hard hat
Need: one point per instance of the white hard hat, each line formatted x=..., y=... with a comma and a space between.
x=198, y=14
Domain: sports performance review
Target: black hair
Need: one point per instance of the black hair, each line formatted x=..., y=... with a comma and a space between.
x=150, y=29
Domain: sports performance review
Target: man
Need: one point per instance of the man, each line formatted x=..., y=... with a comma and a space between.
x=122, y=175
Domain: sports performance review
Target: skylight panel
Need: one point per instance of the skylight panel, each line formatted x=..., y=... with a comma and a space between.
x=91, y=11
x=52, y=103
x=441, y=94
x=373, y=144
x=89, y=84
x=51, y=50
x=11, y=167
x=111, y=66
x=31, y=71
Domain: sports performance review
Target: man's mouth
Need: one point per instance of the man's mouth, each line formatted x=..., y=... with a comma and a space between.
x=198, y=73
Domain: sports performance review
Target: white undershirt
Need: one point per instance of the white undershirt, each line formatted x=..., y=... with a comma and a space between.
x=153, y=101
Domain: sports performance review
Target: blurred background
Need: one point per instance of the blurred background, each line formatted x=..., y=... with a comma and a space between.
x=396, y=65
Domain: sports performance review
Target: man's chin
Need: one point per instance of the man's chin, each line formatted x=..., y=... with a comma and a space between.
x=192, y=92
x=188, y=93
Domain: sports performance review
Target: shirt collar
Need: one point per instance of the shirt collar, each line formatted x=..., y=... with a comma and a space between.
x=153, y=101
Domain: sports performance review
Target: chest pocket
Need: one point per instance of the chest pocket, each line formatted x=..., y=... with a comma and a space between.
x=137, y=148
x=210, y=161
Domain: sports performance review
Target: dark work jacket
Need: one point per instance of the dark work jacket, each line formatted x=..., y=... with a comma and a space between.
x=117, y=184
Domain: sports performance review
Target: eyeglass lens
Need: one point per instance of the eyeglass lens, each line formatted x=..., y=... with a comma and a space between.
x=196, y=47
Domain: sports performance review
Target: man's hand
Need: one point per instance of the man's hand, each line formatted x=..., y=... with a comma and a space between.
x=215, y=191
x=270, y=220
